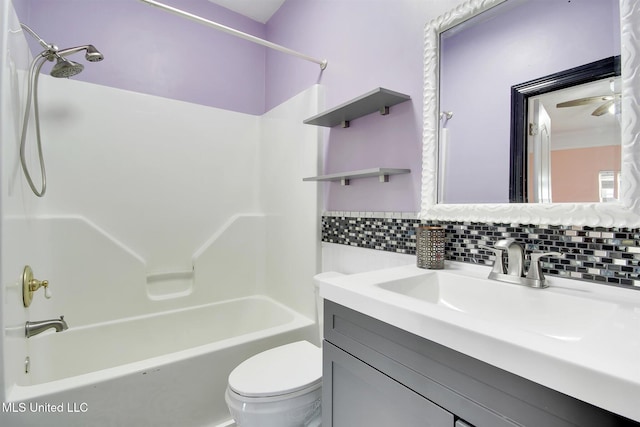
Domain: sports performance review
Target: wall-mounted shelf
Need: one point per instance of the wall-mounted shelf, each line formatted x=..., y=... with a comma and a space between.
x=379, y=99
x=344, y=177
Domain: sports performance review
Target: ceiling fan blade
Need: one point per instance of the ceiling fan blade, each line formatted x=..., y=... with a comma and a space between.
x=585, y=101
x=603, y=109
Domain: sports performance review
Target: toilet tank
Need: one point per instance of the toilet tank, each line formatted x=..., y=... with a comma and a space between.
x=317, y=279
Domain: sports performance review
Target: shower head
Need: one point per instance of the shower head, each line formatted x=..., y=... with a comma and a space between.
x=66, y=68
x=62, y=68
x=93, y=54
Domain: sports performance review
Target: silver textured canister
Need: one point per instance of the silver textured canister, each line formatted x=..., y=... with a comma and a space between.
x=430, y=247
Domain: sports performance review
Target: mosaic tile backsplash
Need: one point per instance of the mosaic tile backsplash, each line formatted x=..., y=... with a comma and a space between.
x=598, y=254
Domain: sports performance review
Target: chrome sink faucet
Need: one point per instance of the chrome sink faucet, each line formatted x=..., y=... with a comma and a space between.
x=515, y=256
x=514, y=271
x=34, y=328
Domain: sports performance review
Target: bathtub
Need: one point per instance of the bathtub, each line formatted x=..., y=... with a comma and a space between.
x=165, y=369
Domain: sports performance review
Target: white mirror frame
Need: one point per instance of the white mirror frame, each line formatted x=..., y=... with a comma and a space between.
x=624, y=213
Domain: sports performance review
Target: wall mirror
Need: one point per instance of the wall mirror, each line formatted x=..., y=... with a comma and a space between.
x=481, y=116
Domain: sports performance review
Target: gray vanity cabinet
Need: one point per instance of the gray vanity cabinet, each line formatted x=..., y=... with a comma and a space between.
x=376, y=375
x=363, y=396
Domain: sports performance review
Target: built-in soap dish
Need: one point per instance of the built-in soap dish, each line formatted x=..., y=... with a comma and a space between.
x=167, y=285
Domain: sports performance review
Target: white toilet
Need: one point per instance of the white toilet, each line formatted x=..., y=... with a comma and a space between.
x=280, y=387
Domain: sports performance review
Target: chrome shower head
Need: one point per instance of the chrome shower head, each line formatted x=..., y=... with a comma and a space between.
x=66, y=68
x=93, y=54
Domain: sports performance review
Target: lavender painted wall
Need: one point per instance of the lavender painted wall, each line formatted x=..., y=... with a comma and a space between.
x=369, y=43
x=151, y=51
x=536, y=38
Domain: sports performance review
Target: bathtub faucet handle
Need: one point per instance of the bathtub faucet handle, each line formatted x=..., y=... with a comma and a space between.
x=30, y=285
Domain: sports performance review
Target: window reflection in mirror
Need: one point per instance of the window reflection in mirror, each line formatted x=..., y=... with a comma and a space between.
x=480, y=60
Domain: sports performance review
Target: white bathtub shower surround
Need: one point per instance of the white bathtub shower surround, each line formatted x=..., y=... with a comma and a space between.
x=160, y=175
x=291, y=150
x=117, y=329
x=117, y=343
x=14, y=61
x=176, y=377
x=158, y=219
x=182, y=173
x=95, y=278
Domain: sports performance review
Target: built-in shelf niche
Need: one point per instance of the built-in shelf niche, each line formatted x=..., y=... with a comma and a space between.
x=344, y=177
x=379, y=99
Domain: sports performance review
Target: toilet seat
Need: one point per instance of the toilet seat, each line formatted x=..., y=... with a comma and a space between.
x=280, y=371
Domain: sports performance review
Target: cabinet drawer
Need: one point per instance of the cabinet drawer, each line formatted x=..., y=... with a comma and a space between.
x=355, y=394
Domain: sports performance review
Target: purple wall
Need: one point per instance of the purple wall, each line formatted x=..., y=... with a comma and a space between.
x=152, y=51
x=536, y=38
x=369, y=43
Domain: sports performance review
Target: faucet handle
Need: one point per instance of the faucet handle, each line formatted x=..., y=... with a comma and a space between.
x=31, y=285
x=498, y=265
x=535, y=269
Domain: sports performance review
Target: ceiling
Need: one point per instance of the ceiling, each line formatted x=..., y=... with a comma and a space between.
x=258, y=10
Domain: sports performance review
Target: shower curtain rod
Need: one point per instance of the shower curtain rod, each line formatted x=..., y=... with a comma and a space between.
x=229, y=30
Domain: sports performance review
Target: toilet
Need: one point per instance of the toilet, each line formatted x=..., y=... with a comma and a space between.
x=280, y=387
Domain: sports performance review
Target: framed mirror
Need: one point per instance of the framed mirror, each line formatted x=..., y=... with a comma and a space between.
x=621, y=213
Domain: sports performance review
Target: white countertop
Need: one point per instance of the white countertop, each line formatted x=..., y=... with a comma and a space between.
x=593, y=358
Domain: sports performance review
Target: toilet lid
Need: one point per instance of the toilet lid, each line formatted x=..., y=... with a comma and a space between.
x=281, y=370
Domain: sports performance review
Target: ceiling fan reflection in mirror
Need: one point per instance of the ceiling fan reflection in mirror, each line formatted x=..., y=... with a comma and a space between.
x=608, y=103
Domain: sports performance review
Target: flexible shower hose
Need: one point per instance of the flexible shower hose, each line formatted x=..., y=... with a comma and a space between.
x=36, y=65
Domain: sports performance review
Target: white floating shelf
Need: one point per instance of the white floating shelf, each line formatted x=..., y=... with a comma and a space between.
x=344, y=177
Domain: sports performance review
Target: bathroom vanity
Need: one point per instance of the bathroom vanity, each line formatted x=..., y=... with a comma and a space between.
x=412, y=347
x=392, y=354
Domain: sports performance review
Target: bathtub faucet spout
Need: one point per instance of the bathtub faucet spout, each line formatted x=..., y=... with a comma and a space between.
x=34, y=328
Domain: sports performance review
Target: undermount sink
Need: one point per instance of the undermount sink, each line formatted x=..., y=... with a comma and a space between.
x=540, y=311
